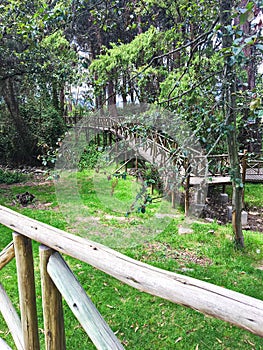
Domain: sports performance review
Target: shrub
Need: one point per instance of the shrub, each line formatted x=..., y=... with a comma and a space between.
x=11, y=177
x=89, y=157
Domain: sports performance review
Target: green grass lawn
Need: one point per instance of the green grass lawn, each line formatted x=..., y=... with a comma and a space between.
x=142, y=321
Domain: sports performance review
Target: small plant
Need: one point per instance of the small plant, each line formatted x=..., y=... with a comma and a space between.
x=89, y=158
x=11, y=177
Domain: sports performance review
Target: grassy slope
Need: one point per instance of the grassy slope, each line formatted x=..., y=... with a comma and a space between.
x=140, y=320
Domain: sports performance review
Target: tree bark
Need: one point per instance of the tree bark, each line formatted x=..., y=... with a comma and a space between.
x=111, y=98
x=229, y=100
x=24, y=143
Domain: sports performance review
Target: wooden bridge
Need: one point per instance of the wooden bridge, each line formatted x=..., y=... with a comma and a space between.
x=161, y=149
x=185, y=167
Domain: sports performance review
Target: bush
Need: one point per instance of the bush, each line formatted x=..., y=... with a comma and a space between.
x=89, y=157
x=11, y=177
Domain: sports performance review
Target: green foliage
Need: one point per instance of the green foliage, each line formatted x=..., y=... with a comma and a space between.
x=36, y=61
x=89, y=157
x=11, y=177
x=253, y=195
x=130, y=60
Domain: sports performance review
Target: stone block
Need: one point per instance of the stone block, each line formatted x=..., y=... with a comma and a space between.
x=223, y=198
x=244, y=218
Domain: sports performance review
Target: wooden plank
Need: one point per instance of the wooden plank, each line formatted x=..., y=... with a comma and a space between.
x=3, y=345
x=81, y=305
x=241, y=310
x=52, y=306
x=7, y=254
x=27, y=294
x=11, y=318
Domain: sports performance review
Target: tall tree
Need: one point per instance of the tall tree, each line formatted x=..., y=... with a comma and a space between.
x=230, y=111
x=32, y=49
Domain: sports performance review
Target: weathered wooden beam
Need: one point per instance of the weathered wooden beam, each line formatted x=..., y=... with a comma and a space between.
x=11, y=318
x=52, y=306
x=3, y=345
x=27, y=293
x=81, y=305
x=241, y=310
x=7, y=254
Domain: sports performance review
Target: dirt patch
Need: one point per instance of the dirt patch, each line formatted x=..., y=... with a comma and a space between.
x=255, y=219
x=42, y=206
x=183, y=256
x=31, y=183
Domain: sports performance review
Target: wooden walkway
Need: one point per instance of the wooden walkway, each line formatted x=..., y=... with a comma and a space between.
x=163, y=151
x=251, y=177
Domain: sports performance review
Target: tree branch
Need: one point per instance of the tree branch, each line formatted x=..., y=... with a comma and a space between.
x=191, y=89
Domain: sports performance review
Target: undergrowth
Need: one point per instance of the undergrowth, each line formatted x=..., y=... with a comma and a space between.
x=10, y=177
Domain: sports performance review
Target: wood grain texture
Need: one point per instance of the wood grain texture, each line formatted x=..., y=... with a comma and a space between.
x=7, y=254
x=241, y=310
x=52, y=306
x=27, y=293
x=81, y=305
x=11, y=318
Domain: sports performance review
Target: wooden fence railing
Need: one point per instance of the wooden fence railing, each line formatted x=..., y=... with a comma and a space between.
x=58, y=281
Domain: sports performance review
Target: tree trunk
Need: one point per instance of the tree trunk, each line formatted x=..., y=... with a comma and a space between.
x=23, y=141
x=229, y=99
x=111, y=98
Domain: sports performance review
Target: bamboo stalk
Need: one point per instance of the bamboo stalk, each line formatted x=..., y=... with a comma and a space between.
x=239, y=309
x=81, y=305
x=27, y=294
x=11, y=318
x=52, y=306
x=7, y=254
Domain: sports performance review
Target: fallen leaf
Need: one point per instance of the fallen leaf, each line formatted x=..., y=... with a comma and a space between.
x=178, y=339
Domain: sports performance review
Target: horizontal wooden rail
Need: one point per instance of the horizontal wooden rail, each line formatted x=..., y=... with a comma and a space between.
x=241, y=310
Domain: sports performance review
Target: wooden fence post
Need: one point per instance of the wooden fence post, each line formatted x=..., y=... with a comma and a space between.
x=52, y=305
x=27, y=292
